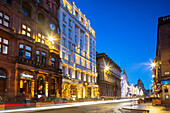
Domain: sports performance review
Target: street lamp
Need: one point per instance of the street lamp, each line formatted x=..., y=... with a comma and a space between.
x=50, y=38
x=107, y=68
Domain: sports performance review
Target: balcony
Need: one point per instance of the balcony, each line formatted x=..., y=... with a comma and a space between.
x=37, y=64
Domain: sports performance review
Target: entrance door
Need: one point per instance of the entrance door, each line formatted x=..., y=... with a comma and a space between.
x=2, y=84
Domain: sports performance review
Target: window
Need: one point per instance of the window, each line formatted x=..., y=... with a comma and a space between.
x=82, y=76
x=93, y=51
x=4, y=19
x=27, y=52
x=81, y=43
x=63, y=55
x=26, y=9
x=53, y=62
x=69, y=45
x=37, y=56
x=43, y=57
x=64, y=42
x=21, y=51
x=87, y=78
x=76, y=74
x=80, y=61
x=69, y=57
x=90, y=41
x=70, y=73
x=64, y=17
x=64, y=29
x=69, y=22
x=4, y=45
x=69, y=33
x=26, y=30
x=82, y=20
x=91, y=79
x=76, y=13
x=41, y=38
x=85, y=63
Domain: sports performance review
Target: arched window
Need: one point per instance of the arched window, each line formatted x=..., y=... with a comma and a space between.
x=26, y=9
x=41, y=19
x=2, y=83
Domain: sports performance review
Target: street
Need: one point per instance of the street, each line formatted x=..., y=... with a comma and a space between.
x=97, y=108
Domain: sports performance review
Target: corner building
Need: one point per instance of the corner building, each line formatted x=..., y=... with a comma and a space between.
x=78, y=53
x=109, y=77
x=29, y=49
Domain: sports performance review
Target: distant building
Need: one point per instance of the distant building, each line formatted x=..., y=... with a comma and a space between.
x=161, y=64
x=130, y=90
x=108, y=77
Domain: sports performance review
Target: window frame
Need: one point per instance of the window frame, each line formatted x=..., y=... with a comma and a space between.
x=2, y=44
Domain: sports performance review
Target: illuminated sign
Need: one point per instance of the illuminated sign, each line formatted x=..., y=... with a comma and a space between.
x=26, y=75
x=165, y=82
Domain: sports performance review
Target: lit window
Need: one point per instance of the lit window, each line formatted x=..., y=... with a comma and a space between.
x=53, y=62
x=37, y=52
x=41, y=38
x=3, y=46
x=43, y=57
x=28, y=52
x=4, y=19
x=43, y=54
x=26, y=30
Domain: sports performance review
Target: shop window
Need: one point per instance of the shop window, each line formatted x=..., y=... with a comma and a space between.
x=4, y=19
x=53, y=62
x=4, y=45
x=41, y=38
x=41, y=19
x=43, y=58
x=26, y=30
x=26, y=9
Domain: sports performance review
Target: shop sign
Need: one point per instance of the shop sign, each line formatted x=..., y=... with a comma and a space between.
x=26, y=76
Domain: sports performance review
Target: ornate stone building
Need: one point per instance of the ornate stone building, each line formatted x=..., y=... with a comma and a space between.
x=109, y=77
x=78, y=53
x=29, y=49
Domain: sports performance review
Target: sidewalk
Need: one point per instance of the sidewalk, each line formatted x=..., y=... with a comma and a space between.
x=145, y=107
x=63, y=105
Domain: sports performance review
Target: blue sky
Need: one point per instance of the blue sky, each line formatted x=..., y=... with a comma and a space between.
x=126, y=30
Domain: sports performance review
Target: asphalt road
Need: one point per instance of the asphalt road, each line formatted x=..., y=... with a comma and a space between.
x=97, y=108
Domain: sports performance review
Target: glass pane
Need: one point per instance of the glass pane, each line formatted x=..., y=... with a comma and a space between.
x=43, y=41
x=6, y=17
x=21, y=46
x=39, y=34
x=29, y=29
x=23, y=32
x=28, y=34
x=0, y=39
x=5, y=41
x=1, y=14
x=6, y=23
x=53, y=59
x=27, y=55
x=28, y=48
x=5, y=49
x=39, y=40
x=0, y=48
x=43, y=54
x=63, y=55
x=43, y=36
x=0, y=21
x=38, y=58
x=24, y=26
x=21, y=52
x=37, y=52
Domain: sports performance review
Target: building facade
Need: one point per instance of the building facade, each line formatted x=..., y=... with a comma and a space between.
x=127, y=90
x=78, y=53
x=109, y=77
x=29, y=49
x=161, y=64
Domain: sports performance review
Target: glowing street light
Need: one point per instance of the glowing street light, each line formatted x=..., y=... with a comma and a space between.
x=107, y=68
x=153, y=64
x=50, y=38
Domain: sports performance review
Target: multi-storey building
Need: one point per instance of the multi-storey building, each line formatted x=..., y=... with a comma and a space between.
x=29, y=49
x=78, y=53
x=109, y=77
x=161, y=64
x=131, y=90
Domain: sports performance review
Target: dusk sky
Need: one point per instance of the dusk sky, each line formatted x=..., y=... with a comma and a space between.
x=126, y=30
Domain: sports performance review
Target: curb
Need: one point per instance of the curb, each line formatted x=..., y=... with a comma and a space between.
x=142, y=110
